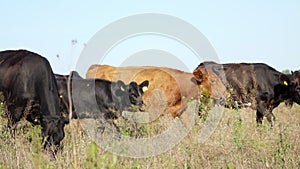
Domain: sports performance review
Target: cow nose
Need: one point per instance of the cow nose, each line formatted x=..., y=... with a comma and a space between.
x=142, y=107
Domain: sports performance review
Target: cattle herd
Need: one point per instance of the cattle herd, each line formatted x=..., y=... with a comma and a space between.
x=31, y=90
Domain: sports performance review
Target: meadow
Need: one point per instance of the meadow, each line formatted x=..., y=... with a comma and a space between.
x=237, y=142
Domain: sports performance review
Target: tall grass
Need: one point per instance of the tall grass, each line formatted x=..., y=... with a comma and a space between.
x=236, y=143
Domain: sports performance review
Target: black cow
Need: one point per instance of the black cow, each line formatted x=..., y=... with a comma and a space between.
x=295, y=86
x=254, y=84
x=28, y=83
x=98, y=95
x=63, y=85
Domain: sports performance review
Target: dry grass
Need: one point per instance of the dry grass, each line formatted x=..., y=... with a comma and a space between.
x=236, y=143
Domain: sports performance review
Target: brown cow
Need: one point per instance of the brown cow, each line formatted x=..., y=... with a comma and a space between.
x=167, y=86
x=257, y=85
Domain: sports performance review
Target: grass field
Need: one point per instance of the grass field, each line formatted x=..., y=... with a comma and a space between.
x=236, y=143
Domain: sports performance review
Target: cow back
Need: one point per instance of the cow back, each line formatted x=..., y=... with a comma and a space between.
x=246, y=82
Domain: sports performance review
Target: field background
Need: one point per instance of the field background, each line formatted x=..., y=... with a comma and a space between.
x=236, y=143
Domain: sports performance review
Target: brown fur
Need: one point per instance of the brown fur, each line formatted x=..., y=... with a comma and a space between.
x=167, y=86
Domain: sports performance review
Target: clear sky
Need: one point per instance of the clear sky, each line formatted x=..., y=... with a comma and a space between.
x=240, y=31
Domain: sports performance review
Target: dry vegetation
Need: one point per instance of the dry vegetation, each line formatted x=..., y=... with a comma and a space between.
x=236, y=143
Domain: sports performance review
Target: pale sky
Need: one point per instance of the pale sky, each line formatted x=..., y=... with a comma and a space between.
x=239, y=31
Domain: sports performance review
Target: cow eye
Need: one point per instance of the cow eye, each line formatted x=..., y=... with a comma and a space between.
x=213, y=81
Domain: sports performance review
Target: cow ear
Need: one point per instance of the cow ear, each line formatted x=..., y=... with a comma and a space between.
x=144, y=85
x=75, y=75
x=199, y=74
x=121, y=88
x=121, y=85
x=284, y=79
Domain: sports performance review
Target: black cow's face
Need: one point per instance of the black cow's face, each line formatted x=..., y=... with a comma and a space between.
x=132, y=93
x=295, y=86
x=136, y=92
x=53, y=129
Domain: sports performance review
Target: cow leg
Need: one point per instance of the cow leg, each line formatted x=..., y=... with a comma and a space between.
x=263, y=110
x=271, y=118
x=259, y=117
x=260, y=112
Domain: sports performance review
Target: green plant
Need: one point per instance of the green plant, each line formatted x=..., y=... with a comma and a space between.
x=205, y=104
x=134, y=165
x=107, y=162
x=135, y=107
x=91, y=160
x=129, y=127
x=237, y=129
x=7, y=141
x=95, y=159
x=230, y=166
x=235, y=143
x=281, y=153
x=286, y=71
x=1, y=119
x=298, y=163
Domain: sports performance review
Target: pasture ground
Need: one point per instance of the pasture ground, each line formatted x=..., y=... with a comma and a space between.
x=237, y=142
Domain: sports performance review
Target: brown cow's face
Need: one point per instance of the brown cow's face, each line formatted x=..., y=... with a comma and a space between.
x=210, y=82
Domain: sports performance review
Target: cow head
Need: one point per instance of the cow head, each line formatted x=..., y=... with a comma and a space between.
x=136, y=92
x=295, y=86
x=53, y=129
x=210, y=83
x=132, y=93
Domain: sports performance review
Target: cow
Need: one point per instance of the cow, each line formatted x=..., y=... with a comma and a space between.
x=98, y=96
x=29, y=90
x=295, y=86
x=253, y=84
x=170, y=89
x=64, y=88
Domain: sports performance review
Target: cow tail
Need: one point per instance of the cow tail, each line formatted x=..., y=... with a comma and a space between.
x=69, y=96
